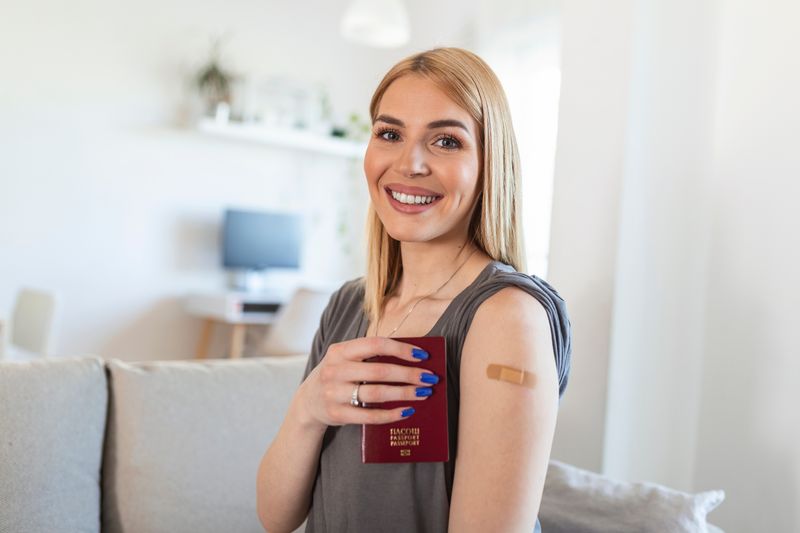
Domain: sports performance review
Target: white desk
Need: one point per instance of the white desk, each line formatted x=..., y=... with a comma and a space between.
x=236, y=309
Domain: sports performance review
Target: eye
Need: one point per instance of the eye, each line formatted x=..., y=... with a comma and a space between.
x=388, y=134
x=448, y=142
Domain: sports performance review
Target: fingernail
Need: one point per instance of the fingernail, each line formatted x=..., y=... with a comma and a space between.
x=407, y=412
x=424, y=391
x=419, y=353
x=427, y=377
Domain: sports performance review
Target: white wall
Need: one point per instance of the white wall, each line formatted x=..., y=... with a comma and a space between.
x=595, y=73
x=658, y=323
x=674, y=231
x=105, y=198
x=749, y=427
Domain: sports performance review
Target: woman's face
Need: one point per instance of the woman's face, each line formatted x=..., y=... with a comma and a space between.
x=423, y=163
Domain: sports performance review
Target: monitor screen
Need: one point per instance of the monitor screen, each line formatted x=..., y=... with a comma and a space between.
x=257, y=240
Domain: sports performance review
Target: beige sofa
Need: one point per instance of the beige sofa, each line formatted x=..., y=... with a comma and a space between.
x=88, y=445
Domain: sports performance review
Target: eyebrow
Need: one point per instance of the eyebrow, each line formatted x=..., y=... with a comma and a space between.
x=431, y=125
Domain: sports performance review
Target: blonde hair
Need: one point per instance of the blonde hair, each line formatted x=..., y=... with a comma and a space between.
x=496, y=223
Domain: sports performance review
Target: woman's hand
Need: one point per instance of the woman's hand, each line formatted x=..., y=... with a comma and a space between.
x=324, y=396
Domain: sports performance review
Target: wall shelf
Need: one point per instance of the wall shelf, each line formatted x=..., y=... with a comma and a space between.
x=284, y=137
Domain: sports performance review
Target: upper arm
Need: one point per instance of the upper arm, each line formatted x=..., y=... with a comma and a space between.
x=505, y=430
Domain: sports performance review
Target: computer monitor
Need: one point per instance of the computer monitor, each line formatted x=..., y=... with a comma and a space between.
x=258, y=240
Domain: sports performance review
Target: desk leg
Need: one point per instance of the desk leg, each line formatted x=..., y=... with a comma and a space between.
x=237, y=341
x=205, y=339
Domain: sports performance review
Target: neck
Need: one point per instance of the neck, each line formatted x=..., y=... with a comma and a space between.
x=427, y=265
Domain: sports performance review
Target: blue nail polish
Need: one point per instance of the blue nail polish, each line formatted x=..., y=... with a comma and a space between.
x=424, y=391
x=427, y=377
x=419, y=354
x=407, y=412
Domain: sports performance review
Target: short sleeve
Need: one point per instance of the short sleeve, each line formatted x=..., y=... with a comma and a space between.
x=336, y=321
x=560, y=326
x=318, y=344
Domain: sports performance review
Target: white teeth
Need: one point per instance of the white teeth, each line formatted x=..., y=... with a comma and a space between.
x=411, y=199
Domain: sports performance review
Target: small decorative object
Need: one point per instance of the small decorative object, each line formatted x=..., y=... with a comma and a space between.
x=215, y=83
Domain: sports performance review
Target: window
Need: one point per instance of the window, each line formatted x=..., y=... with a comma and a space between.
x=526, y=58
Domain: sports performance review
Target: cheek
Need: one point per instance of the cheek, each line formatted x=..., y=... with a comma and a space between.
x=367, y=165
x=374, y=164
x=374, y=168
x=466, y=179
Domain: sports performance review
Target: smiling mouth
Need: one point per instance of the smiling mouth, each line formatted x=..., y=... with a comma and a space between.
x=412, y=199
x=402, y=203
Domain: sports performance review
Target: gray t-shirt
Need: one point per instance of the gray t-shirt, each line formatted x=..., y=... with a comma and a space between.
x=349, y=496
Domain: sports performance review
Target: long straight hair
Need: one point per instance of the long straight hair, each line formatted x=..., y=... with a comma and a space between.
x=496, y=223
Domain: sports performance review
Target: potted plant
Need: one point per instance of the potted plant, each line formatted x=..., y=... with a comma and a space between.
x=214, y=84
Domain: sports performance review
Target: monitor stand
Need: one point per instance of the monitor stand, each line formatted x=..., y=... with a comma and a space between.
x=249, y=280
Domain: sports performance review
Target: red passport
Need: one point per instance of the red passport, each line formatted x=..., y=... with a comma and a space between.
x=422, y=437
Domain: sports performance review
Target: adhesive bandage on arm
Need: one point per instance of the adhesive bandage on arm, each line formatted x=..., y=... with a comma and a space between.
x=511, y=375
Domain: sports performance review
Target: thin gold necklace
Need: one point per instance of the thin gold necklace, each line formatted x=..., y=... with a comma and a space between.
x=378, y=326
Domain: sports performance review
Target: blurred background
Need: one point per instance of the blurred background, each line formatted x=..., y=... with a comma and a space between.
x=660, y=144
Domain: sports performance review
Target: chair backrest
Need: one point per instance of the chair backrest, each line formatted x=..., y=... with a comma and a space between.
x=296, y=323
x=33, y=320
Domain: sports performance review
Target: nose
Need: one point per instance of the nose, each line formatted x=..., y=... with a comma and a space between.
x=411, y=161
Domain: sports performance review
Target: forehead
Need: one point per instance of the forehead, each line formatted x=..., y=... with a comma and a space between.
x=417, y=100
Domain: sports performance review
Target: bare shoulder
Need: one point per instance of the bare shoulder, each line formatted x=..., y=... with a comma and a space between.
x=509, y=307
x=510, y=327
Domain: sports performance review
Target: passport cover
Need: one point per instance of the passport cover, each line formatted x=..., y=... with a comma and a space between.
x=423, y=436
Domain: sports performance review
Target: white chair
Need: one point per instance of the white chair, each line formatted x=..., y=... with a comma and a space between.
x=297, y=321
x=31, y=328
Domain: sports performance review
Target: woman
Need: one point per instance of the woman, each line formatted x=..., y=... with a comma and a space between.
x=445, y=242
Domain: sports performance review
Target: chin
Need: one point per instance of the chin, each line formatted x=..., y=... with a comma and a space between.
x=407, y=236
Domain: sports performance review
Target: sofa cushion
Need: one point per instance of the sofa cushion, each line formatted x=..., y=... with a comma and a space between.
x=52, y=421
x=185, y=440
x=579, y=501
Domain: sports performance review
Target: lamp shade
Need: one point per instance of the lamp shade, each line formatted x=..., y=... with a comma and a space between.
x=379, y=23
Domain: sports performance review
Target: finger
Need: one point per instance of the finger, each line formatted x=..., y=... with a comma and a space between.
x=360, y=415
x=365, y=347
x=392, y=393
x=357, y=372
